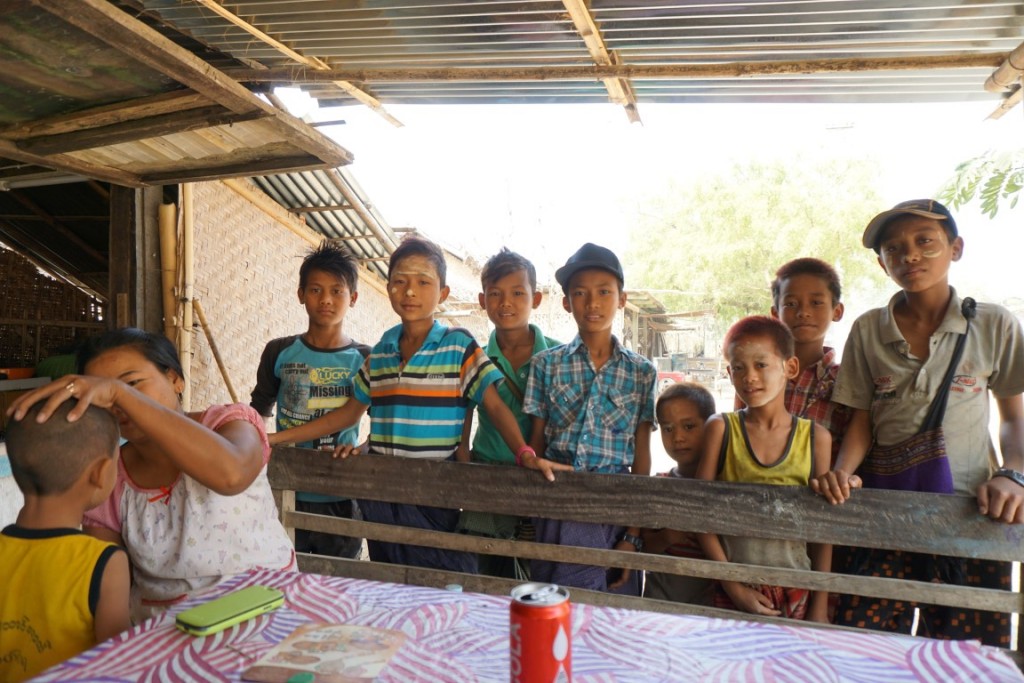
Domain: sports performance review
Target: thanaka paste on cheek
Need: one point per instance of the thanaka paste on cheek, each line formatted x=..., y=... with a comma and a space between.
x=931, y=253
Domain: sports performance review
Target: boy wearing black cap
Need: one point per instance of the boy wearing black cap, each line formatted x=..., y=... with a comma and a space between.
x=592, y=403
x=896, y=361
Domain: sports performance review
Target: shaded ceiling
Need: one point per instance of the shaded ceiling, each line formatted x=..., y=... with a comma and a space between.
x=485, y=51
x=88, y=89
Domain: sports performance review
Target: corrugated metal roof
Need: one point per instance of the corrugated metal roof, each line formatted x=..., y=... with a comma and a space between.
x=413, y=34
x=359, y=225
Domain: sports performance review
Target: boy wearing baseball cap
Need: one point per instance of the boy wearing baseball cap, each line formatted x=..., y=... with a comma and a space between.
x=896, y=361
x=592, y=403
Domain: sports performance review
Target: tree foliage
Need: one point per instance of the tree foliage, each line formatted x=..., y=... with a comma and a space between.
x=717, y=243
x=993, y=178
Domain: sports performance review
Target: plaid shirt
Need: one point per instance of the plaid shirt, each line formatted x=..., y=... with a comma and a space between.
x=591, y=416
x=810, y=396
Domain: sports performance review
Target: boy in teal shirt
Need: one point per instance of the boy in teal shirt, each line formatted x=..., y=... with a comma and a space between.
x=509, y=296
x=307, y=375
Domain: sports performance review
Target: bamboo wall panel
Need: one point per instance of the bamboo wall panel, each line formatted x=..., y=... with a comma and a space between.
x=38, y=314
x=247, y=273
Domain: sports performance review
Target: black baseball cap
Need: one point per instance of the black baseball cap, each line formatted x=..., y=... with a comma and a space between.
x=589, y=256
x=927, y=208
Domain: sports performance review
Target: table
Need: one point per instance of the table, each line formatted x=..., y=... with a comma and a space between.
x=462, y=637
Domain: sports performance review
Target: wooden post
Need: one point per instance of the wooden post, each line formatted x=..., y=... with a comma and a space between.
x=168, y=265
x=185, y=343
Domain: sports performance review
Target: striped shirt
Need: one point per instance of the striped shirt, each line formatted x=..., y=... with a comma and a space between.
x=417, y=411
x=591, y=415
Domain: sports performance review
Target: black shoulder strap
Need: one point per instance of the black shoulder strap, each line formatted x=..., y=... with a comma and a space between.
x=937, y=410
x=509, y=382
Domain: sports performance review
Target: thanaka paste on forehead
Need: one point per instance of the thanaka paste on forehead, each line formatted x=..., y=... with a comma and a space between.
x=421, y=273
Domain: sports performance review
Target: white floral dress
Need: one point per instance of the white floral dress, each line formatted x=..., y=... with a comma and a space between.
x=187, y=538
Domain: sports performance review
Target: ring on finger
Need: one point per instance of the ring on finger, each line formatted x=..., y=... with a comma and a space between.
x=71, y=388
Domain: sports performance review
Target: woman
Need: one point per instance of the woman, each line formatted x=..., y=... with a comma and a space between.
x=192, y=504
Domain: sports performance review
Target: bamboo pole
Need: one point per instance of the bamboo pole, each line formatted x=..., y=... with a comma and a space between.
x=1009, y=73
x=188, y=270
x=168, y=265
x=213, y=348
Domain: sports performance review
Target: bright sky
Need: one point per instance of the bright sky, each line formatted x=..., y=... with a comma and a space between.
x=543, y=179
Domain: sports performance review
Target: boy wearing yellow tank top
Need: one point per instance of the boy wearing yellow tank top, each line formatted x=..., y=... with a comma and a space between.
x=63, y=591
x=763, y=444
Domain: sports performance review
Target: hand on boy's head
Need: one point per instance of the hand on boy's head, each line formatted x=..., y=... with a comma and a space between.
x=835, y=486
x=88, y=390
x=1002, y=500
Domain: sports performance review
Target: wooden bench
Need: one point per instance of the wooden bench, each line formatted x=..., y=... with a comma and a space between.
x=929, y=523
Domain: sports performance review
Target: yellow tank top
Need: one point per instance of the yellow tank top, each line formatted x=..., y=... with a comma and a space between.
x=51, y=588
x=736, y=462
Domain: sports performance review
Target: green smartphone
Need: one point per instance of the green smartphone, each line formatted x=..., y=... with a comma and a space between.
x=228, y=610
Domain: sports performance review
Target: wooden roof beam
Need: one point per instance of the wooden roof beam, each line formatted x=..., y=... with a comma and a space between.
x=313, y=62
x=619, y=89
x=108, y=114
x=69, y=164
x=122, y=32
x=236, y=167
x=139, y=129
x=629, y=71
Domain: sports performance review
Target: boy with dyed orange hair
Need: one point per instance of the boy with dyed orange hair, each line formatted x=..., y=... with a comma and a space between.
x=763, y=444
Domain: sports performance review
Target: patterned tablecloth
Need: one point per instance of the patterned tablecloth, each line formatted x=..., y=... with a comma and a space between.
x=462, y=637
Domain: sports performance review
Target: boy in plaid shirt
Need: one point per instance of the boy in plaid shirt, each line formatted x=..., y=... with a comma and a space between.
x=592, y=402
x=805, y=297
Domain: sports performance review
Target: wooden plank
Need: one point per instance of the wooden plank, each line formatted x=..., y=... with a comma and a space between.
x=233, y=168
x=63, y=324
x=121, y=31
x=123, y=275
x=311, y=62
x=300, y=76
x=619, y=89
x=137, y=129
x=930, y=593
x=69, y=164
x=919, y=522
x=476, y=583
x=109, y=114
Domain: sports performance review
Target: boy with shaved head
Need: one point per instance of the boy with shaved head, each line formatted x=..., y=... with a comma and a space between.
x=64, y=591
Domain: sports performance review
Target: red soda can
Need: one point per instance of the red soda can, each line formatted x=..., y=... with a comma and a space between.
x=540, y=630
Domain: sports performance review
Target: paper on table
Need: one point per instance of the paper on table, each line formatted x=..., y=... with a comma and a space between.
x=333, y=653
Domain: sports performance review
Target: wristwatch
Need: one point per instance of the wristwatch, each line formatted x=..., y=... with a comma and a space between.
x=1013, y=475
x=637, y=542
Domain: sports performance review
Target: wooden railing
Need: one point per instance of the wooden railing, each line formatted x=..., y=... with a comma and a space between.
x=929, y=523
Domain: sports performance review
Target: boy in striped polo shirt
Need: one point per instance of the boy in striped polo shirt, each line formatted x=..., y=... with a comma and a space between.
x=420, y=379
